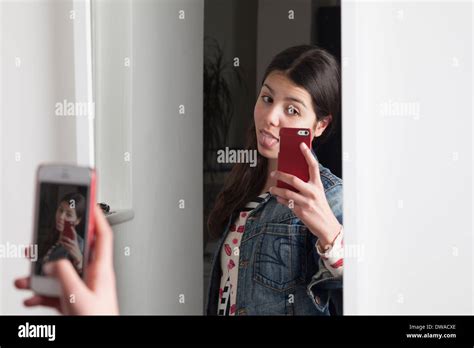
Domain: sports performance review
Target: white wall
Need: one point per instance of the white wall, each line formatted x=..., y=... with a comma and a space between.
x=165, y=242
x=40, y=34
x=166, y=148
x=113, y=57
x=408, y=174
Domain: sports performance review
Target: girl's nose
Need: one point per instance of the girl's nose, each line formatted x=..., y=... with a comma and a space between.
x=273, y=117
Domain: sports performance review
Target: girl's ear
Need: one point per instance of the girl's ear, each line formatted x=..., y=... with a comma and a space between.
x=321, y=125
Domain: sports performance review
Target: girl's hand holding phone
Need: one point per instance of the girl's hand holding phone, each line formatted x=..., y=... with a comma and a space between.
x=97, y=294
x=72, y=246
x=310, y=204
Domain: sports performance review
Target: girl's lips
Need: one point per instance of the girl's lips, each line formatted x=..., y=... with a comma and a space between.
x=267, y=140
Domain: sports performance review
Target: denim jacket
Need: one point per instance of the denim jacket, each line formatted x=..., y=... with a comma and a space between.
x=280, y=271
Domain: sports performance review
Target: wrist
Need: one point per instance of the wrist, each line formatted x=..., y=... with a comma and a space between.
x=77, y=261
x=326, y=240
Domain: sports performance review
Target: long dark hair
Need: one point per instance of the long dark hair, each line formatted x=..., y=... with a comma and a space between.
x=309, y=67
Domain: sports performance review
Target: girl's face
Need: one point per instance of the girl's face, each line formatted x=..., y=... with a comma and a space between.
x=281, y=103
x=65, y=213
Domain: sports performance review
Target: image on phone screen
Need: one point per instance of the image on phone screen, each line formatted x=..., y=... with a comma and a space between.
x=61, y=225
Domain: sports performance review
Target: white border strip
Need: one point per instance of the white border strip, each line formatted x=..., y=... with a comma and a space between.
x=472, y=154
x=2, y=33
x=83, y=82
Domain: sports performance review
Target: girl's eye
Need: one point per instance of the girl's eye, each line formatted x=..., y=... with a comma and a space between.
x=267, y=99
x=292, y=110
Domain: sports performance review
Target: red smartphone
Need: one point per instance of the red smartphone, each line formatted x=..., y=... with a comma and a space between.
x=67, y=231
x=61, y=190
x=290, y=158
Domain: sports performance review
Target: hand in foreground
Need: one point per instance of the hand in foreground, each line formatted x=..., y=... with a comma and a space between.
x=97, y=293
x=310, y=204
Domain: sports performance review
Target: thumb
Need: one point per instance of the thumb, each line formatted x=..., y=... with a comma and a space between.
x=66, y=274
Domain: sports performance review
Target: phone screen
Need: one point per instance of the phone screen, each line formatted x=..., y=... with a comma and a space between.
x=62, y=221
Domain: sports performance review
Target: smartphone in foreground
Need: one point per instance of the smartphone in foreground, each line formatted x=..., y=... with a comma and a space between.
x=63, y=221
x=290, y=158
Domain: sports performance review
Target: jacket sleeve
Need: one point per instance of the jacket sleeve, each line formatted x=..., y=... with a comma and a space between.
x=333, y=258
x=325, y=288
